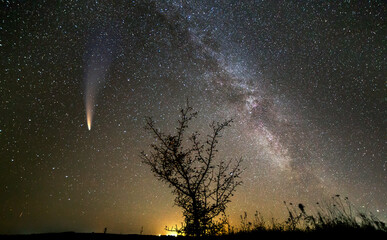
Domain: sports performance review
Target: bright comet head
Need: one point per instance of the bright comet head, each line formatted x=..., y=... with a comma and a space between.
x=88, y=120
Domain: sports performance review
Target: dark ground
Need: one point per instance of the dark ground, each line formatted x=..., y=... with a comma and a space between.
x=86, y=236
x=262, y=235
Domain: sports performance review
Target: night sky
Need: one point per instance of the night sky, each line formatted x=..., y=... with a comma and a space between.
x=303, y=80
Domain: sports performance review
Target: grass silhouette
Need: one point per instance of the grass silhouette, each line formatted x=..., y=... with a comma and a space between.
x=337, y=218
x=334, y=219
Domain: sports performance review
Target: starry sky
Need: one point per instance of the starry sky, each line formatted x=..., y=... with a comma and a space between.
x=304, y=82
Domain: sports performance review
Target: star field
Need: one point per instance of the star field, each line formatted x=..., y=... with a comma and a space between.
x=304, y=82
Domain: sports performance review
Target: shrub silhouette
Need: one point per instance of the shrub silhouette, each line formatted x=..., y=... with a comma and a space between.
x=202, y=185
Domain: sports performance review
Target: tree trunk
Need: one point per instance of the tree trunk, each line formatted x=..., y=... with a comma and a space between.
x=196, y=219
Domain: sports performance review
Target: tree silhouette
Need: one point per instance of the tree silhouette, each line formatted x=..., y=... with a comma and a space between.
x=202, y=185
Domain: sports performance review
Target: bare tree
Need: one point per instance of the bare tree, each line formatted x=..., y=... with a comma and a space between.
x=202, y=185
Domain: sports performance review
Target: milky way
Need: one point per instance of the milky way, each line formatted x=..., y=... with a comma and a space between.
x=303, y=81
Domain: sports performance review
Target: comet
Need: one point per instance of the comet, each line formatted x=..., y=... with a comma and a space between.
x=92, y=86
x=96, y=78
x=89, y=117
x=98, y=59
x=89, y=123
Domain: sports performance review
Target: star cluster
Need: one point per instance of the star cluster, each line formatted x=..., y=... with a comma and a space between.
x=303, y=81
